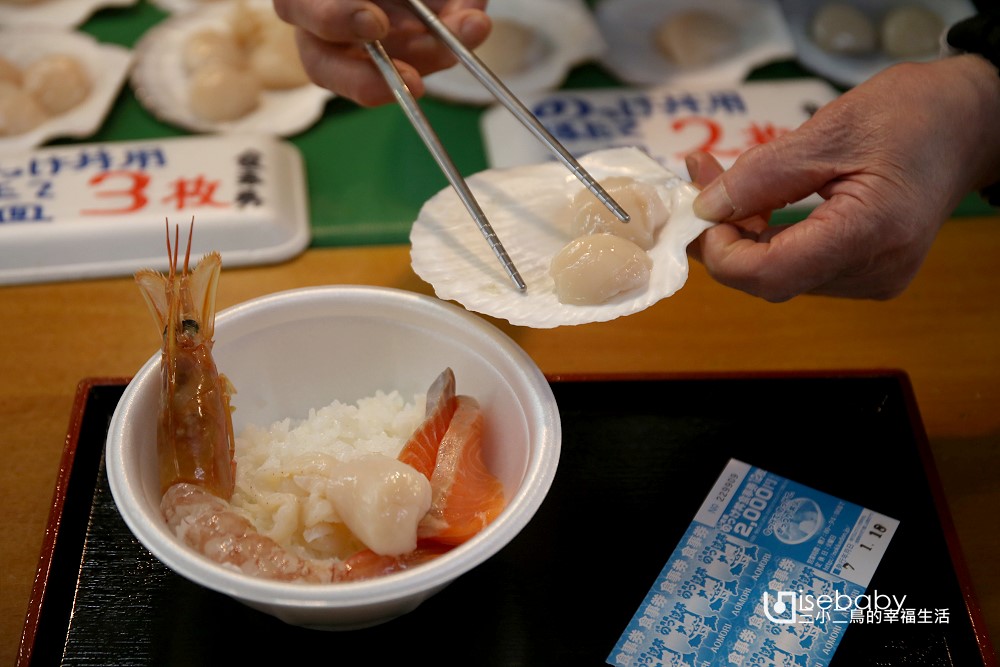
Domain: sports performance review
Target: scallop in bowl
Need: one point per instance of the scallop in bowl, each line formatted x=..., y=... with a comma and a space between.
x=292, y=351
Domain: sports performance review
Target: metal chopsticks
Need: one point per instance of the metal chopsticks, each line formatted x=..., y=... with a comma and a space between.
x=434, y=145
x=503, y=95
x=496, y=87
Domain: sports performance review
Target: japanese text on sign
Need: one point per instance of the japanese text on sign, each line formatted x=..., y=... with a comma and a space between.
x=106, y=180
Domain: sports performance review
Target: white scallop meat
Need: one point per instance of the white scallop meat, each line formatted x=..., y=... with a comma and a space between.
x=381, y=500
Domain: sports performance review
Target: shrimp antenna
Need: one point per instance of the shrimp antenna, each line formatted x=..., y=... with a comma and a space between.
x=177, y=246
x=170, y=253
x=187, y=254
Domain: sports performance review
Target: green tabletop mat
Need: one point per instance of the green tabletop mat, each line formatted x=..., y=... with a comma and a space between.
x=367, y=171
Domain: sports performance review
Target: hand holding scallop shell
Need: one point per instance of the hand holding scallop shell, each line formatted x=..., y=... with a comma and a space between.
x=527, y=207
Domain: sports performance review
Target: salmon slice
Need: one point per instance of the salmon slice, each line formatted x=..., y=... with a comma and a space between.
x=465, y=495
x=367, y=564
x=421, y=450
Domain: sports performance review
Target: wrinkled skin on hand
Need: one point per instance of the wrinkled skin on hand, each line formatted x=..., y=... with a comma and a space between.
x=891, y=157
x=331, y=36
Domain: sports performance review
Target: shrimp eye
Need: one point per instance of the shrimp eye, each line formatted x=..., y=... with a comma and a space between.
x=190, y=326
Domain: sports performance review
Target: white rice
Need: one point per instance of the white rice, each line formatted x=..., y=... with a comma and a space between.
x=283, y=471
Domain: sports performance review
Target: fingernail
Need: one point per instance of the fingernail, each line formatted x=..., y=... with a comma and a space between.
x=692, y=167
x=713, y=203
x=365, y=25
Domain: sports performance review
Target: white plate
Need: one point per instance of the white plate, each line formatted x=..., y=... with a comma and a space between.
x=53, y=13
x=161, y=83
x=106, y=64
x=852, y=70
x=522, y=204
x=629, y=27
x=567, y=36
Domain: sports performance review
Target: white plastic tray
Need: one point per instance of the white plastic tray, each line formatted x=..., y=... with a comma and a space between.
x=92, y=210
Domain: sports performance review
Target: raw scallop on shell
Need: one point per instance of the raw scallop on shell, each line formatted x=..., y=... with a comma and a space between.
x=690, y=42
x=525, y=206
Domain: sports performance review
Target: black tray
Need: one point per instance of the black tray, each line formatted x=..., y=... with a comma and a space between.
x=639, y=456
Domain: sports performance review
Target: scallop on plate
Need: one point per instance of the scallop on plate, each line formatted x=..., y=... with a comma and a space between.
x=54, y=83
x=848, y=41
x=52, y=13
x=691, y=41
x=551, y=227
x=227, y=67
x=532, y=47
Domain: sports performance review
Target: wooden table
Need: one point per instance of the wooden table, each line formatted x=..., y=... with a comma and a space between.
x=944, y=332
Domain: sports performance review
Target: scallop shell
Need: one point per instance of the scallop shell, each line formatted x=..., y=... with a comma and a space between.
x=629, y=28
x=566, y=36
x=161, y=83
x=106, y=64
x=53, y=13
x=522, y=204
x=852, y=70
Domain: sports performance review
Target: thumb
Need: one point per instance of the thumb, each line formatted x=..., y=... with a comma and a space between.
x=702, y=168
x=766, y=178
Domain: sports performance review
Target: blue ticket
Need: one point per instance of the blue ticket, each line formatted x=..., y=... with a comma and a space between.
x=770, y=572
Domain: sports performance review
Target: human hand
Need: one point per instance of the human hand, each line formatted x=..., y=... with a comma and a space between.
x=891, y=157
x=331, y=35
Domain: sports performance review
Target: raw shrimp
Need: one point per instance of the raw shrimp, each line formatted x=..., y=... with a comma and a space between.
x=195, y=441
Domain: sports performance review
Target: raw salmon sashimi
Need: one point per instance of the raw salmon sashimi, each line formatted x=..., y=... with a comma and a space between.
x=421, y=450
x=367, y=564
x=465, y=495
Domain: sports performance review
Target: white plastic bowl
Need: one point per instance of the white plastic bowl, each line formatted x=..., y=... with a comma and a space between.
x=294, y=350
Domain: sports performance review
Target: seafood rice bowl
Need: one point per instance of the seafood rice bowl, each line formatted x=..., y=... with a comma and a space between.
x=294, y=352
